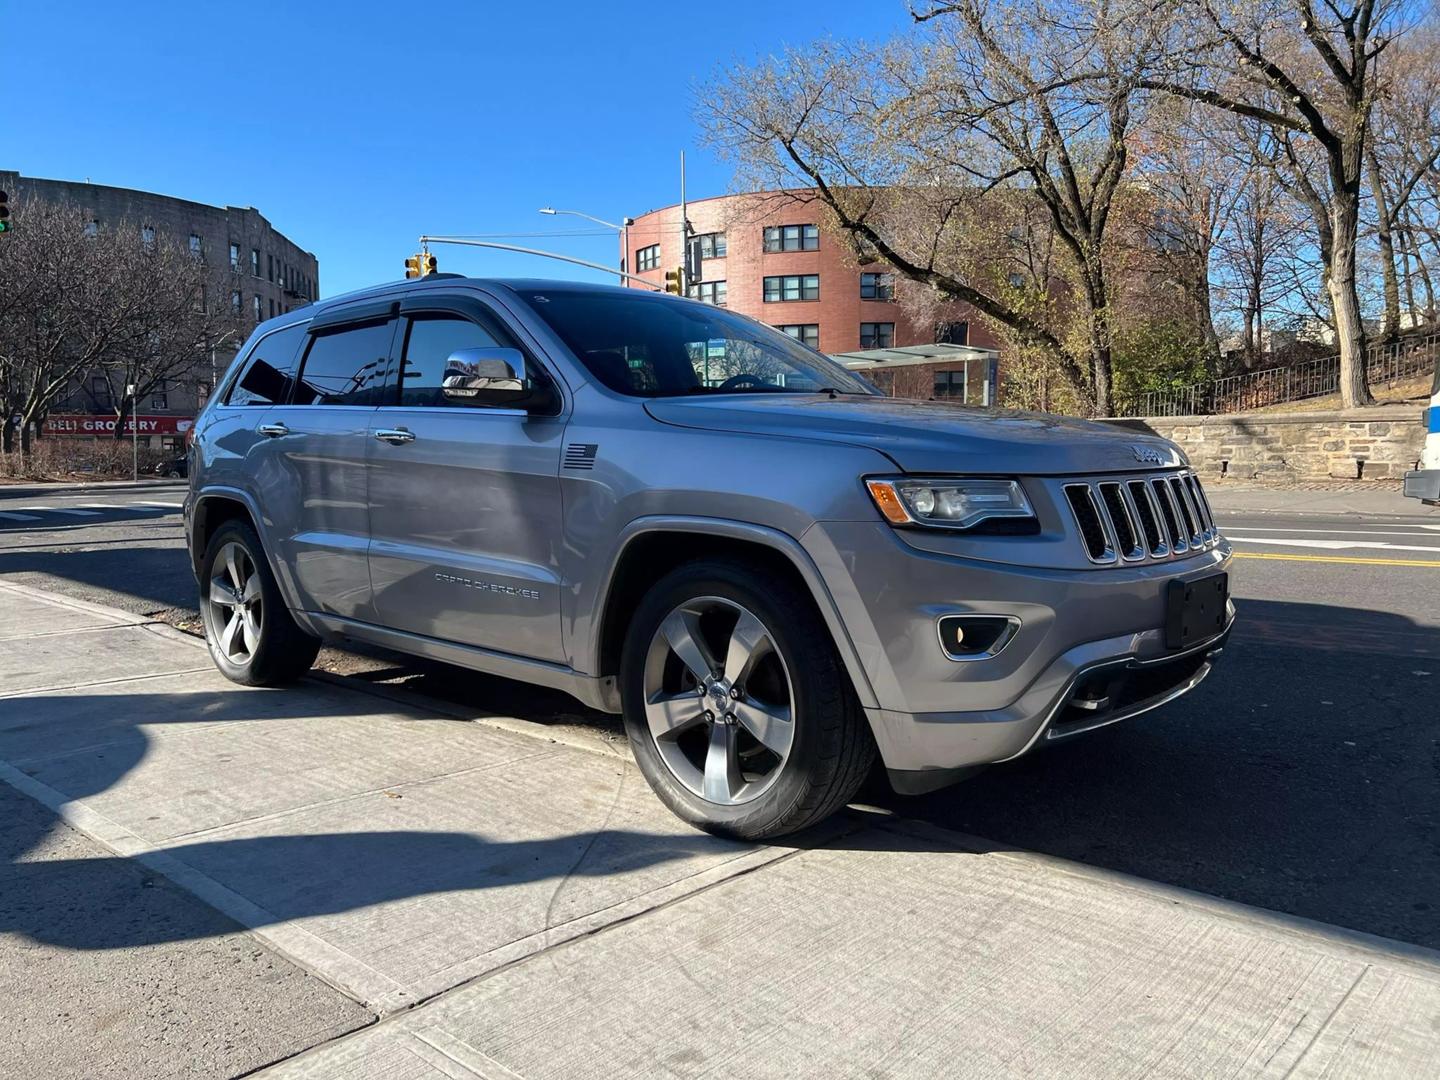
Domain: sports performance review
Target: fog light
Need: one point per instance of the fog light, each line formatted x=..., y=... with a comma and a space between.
x=976, y=637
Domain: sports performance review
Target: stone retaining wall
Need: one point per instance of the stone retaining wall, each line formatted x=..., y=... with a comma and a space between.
x=1345, y=445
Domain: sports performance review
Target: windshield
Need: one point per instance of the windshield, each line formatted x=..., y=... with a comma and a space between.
x=651, y=346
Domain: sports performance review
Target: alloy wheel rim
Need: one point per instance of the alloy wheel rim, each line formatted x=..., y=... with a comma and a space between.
x=719, y=701
x=235, y=605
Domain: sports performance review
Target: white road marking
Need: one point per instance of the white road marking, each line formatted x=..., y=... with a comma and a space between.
x=1329, y=545
x=9, y=516
x=1336, y=532
x=168, y=506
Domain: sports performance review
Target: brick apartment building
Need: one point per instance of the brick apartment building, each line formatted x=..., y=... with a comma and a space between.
x=766, y=255
x=277, y=275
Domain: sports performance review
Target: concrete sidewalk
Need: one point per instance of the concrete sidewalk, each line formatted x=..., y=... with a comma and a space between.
x=551, y=919
x=1350, y=499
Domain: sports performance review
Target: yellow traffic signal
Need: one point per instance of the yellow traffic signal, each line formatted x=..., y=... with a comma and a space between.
x=675, y=281
x=420, y=265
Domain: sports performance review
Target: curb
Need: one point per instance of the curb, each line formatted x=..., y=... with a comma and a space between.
x=88, y=487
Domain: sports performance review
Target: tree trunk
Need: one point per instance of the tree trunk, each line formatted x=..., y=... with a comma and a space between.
x=1385, y=237
x=1341, y=284
x=1252, y=333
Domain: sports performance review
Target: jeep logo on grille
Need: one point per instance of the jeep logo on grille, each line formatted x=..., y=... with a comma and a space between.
x=1148, y=455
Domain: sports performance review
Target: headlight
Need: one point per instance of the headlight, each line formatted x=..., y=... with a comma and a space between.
x=947, y=502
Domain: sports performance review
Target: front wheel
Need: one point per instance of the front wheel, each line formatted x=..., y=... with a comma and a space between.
x=737, y=706
x=251, y=635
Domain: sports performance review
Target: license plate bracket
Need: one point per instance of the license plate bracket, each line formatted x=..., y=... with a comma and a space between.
x=1195, y=610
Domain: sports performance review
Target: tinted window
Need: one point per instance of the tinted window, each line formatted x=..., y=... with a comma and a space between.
x=429, y=343
x=269, y=369
x=652, y=346
x=346, y=366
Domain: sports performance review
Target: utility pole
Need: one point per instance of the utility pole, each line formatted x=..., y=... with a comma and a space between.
x=684, y=233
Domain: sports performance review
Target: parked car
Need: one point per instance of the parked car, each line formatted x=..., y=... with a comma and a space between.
x=1424, y=483
x=677, y=513
x=176, y=468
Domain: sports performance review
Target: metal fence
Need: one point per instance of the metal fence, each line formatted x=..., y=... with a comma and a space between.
x=1384, y=364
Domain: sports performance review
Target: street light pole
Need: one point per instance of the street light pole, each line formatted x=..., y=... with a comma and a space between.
x=623, y=229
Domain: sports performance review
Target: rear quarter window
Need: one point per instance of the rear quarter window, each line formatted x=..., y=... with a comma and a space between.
x=268, y=370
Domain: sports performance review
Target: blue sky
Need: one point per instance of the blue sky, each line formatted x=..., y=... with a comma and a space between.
x=354, y=127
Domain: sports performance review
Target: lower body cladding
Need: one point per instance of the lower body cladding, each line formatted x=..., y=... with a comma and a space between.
x=1088, y=648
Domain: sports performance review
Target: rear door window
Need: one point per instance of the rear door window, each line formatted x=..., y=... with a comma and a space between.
x=269, y=370
x=346, y=365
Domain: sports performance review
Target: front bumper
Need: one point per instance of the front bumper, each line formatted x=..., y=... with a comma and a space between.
x=1094, y=636
x=1423, y=484
x=1094, y=694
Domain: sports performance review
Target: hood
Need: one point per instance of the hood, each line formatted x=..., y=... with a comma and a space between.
x=927, y=436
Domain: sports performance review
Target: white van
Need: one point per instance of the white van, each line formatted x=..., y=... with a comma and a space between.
x=1424, y=483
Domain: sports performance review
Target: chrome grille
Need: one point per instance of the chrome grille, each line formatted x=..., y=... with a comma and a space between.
x=1138, y=519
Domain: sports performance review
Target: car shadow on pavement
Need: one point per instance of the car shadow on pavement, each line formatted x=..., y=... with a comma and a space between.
x=158, y=576
x=1303, y=776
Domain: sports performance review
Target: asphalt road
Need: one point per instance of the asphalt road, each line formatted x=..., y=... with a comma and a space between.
x=1303, y=776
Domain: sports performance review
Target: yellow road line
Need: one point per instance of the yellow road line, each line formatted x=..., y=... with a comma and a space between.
x=1335, y=559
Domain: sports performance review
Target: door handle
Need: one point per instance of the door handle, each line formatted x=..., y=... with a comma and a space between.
x=273, y=431
x=395, y=436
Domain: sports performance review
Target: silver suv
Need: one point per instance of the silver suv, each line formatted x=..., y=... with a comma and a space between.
x=676, y=513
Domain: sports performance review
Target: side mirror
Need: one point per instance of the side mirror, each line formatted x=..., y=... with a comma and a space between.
x=485, y=377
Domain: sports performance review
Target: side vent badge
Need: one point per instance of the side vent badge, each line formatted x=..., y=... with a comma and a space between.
x=580, y=455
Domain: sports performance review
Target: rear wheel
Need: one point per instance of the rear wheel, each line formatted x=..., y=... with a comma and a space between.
x=738, y=708
x=251, y=635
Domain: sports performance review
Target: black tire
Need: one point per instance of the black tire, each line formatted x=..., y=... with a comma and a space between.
x=832, y=750
x=284, y=652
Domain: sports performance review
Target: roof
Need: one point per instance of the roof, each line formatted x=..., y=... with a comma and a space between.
x=906, y=355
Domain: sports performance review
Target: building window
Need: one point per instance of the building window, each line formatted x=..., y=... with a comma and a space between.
x=269, y=267
x=236, y=302
x=877, y=286
x=92, y=227
x=950, y=384
x=648, y=258
x=255, y=261
x=952, y=333
x=809, y=333
x=792, y=287
x=202, y=393
x=100, y=391
x=712, y=245
x=877, y=335
x=792, y=238
x=711, y=292
x=160, y=401
x=1016, y=279
x=197, y=246
x=147, y=235
x=272, y=307
x=258, y=314
x=234, y=256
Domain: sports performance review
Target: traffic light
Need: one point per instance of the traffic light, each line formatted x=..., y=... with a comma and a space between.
x=675, y=281
x=4, y=212
x=420, y=265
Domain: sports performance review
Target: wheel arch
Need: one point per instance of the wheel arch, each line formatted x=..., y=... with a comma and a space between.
x=651, y=547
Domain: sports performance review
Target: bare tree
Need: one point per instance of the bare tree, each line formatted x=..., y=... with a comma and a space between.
x=81, y=300
x=1404, y=151
x=921, y=149
x=1309, y=75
